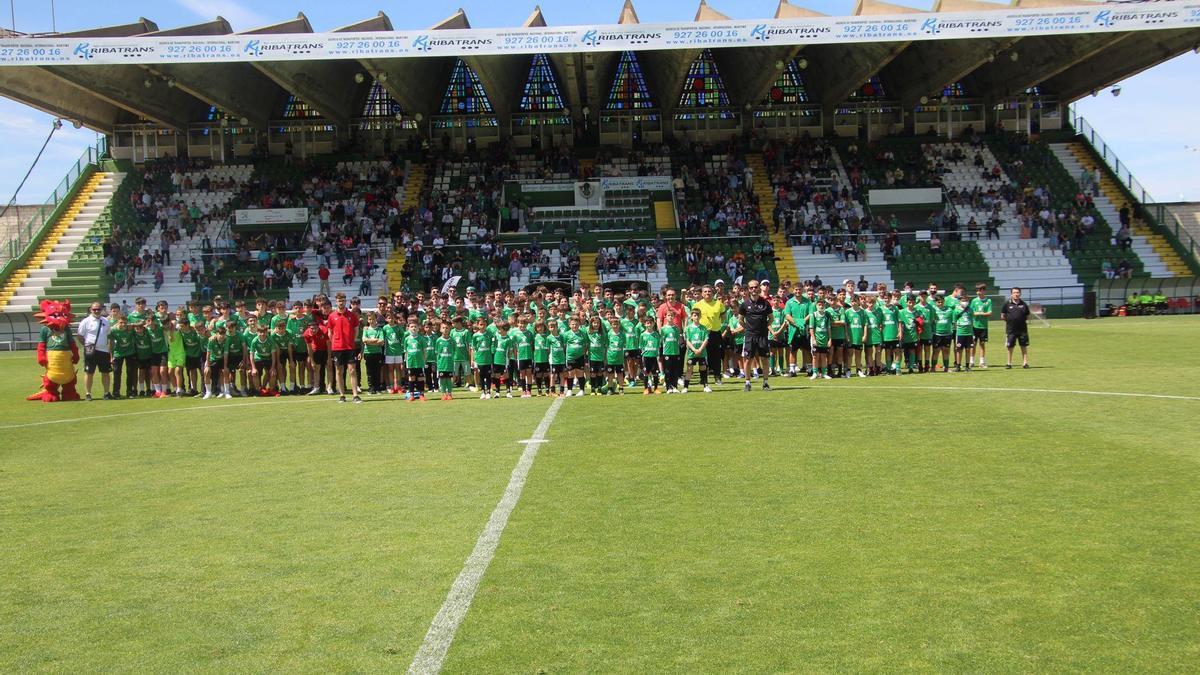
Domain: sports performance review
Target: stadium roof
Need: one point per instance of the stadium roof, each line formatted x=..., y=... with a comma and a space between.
x=1067, y=48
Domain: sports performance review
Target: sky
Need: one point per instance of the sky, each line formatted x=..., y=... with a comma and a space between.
x=1150, y=125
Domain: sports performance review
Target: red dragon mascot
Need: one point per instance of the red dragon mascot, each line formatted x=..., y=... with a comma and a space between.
x=57, y=353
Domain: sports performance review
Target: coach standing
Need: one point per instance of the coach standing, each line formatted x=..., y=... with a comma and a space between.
x=712, y=317
x=756, y=314
x=1016, y=318
x=93, y=337
x=671, y=310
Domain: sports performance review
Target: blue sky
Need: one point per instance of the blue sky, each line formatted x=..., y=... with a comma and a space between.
x=1151, y=125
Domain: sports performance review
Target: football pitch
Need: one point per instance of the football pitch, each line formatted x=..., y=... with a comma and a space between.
x=1001, y=520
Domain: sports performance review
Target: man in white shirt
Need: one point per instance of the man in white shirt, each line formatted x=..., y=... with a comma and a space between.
x=93, y=337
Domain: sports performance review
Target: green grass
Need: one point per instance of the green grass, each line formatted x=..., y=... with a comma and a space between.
x=877, y=524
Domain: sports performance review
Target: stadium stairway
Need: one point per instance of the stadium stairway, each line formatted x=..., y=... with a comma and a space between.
x=785, y=263
x=27, y=286
x=395, y=270
x=833, y=271
x=1157, y=255
x=414, y=186
x=664, y=217
x=587, y=270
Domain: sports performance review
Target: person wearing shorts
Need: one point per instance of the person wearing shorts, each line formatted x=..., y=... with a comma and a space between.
x=820, y=326
x=981, y=313
x=541, y=358
x=1015, y=313
x=964, y=334
x=614, y=356
x=482, y=345
x=558, y=360
x=651, y=348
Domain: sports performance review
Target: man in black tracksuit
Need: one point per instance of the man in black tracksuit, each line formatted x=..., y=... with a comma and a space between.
x=756, y=317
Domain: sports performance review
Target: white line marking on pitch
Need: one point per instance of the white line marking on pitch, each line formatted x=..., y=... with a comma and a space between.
x=1026, y=390
x=219, y=406
x=432, y=654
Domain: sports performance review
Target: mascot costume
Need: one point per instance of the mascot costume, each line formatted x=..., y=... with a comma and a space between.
x=57, y=353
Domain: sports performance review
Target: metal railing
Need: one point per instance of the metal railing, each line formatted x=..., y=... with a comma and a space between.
x=1159, y=213
x=26, y=233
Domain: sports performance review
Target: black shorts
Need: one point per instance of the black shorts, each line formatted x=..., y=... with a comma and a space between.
x=525, y=364
x=942, y=340
x=596, y=366
x=925, y=341
x=650, y=364
x=965, y=341
x=755, y=346
x=216, y=366
x=97, y=360
x=445, y=374
x=981, y=334
x=485, y=372
x=192, y=362
x=908, y=344
x=145, y=361
x=344, y=357
x=576, y=363
x=698, y=358
x=820, y=350
x=261, y=365
x=799, y=341
x=633, y=354
x=838, y=343
x=855, y=347
x=319, y=357
x=541, y=368
x=235, y=361
x=158, y=359
x=777, y=344
x=615, y=369
x=1012, y=339
x=557, y=368
x=891, y=344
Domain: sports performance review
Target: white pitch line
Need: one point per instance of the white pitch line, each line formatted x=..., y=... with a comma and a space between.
x=220, y=406
x=1028, y=391
x=432, y=654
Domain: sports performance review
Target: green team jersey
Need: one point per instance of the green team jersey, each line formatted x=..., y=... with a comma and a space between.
x=414, y=350
x=733, y=324
x=837, y=318
x=695, y=335
x=922, y=312
x=393, y=340
x=873, y=334
x=135, y=317
x=122, y=343
x=630, y=328
x=261, y=348
x=775, y=331
x=821, y=323
x=216, y=350
x=908, y=319
x=445, y=354
x=962, y=322
x=57, y=341
x=651, y=343
x=279, y=320
x=296, y=325
x=372, y=333
x=523, y=341
x=891, y=326
x=597, y=344
x=980, y=305
x=141, y=343
x=430, y=349
x=501, y=347
x=797, y=309
x=158, y=338
x=576, y=344
x=558, y=349
x=193, y=343
x=175, y=346
x=482, y=346
x=234, y=344
x=943, y=318
x=854, y=325
x=614, y=354
x=670, y=339
x=541, y=348
x=462, y=343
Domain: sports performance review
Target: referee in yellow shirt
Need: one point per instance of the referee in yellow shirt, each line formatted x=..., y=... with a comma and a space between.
x=712, y=317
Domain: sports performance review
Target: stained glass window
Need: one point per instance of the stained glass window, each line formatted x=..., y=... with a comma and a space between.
x=954, y=90
x=296, y=109
x=465, y=94
x=872, y=89
x=541, y=88
x=703, y=86
x=380, y=103
x=629, y=91
x=788, y=88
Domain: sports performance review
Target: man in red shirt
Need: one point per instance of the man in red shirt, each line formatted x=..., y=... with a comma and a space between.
x=342, y=325
x=671, y=309
x=323, y=275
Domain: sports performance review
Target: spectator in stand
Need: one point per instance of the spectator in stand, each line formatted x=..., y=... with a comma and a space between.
x=935, y=244
x=323, y=276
